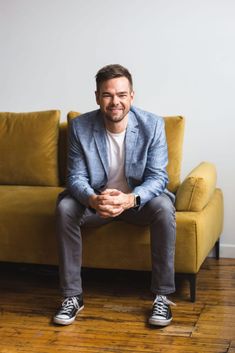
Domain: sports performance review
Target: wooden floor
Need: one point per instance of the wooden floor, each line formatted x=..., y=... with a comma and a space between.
x=117, y=305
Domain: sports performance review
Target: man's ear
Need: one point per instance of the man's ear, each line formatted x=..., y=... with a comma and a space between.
x=132, y=96
x=97, y=97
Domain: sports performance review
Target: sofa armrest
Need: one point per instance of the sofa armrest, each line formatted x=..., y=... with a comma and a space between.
x=197, y=188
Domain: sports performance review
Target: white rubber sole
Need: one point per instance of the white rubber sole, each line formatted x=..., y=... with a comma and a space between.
x=159, y=322
x=65, y=322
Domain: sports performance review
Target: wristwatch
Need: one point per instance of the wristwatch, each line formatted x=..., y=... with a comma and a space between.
x=137, y=201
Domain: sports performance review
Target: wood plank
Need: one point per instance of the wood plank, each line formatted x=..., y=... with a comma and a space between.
x=216, y=321
x=63, y=339
x=232, y=347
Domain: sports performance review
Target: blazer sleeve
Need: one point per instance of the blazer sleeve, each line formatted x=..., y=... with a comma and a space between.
x=155, y=174
x=77, y=177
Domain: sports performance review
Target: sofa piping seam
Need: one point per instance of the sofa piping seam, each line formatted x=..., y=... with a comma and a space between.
x=192, y=195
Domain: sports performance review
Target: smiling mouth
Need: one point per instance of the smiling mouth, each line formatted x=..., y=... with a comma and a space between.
x=115, y=109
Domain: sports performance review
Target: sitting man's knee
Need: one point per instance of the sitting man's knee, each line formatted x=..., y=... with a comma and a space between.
x=68, y=205
x=162, y=204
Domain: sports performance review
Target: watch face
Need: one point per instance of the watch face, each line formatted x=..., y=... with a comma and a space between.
x=137, y=200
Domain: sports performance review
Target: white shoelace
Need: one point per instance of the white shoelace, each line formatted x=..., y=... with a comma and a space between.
x=68, y=304
x=160, y=305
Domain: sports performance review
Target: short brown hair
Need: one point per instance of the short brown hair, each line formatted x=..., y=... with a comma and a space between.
x=112, y=71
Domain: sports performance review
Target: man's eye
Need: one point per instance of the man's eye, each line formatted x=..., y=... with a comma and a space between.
x=122, y=95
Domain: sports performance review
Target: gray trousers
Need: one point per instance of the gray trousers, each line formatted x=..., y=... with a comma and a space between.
x=159, y=214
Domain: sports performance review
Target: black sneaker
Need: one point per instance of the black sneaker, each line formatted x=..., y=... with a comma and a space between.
x=68, y=310
x=161, y=312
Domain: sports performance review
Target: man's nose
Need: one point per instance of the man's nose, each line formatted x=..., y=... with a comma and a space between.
x=115, y=100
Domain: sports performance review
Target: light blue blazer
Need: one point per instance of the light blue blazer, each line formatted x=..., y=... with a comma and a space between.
x=145, y=155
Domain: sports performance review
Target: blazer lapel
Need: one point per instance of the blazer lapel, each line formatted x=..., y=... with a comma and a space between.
x=101, y=143
x=130, y=140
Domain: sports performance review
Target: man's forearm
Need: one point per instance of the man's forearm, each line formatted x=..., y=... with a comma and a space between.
x=81, y=191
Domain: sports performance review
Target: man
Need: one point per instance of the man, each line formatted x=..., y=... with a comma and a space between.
x=116, y=171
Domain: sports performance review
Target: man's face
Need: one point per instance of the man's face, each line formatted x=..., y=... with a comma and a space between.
x=115, y=98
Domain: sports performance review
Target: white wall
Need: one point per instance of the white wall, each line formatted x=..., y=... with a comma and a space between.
x=181, y=54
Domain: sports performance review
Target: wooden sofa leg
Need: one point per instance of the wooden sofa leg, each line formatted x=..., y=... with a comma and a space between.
x=217, y=248
x=192, y=283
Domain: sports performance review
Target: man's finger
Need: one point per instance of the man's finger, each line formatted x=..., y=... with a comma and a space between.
x=112, y=192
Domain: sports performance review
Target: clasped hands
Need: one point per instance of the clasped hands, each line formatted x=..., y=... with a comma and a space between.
x=111, y=202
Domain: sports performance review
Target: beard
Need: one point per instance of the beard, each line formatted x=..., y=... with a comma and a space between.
x=115, y=117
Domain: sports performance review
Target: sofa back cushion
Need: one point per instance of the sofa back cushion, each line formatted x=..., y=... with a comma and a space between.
x=174, y=126
x=29, y=148
x=63, y=146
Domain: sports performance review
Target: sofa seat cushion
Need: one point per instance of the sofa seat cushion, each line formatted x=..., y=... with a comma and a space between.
x=27, y=224
x=29, y=148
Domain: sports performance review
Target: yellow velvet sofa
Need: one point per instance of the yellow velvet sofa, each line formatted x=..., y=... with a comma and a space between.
x=33, y=149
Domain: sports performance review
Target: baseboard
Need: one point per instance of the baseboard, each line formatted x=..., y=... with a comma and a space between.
x=227, y=250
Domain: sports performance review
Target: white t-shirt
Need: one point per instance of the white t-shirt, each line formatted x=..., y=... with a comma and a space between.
x=116, y=156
